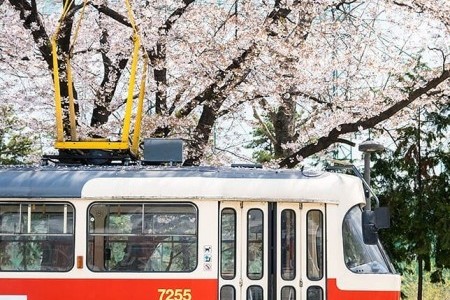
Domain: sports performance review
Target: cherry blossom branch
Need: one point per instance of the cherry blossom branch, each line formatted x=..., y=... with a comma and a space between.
x=310, y=97
x=418, y=7
x=229, y=16
x=177, y=14
x=112, y=73
x=30, y=16
x=411, y=7
x=444, y=56
x=264, y=127
x=333, y=136
x=112, y=14
x=223, y=79
x=213, y=96
x=33, y=22
x=158, y=59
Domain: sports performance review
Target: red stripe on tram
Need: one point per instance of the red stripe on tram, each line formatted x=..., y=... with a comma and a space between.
x=334, y=293
x=111, y=289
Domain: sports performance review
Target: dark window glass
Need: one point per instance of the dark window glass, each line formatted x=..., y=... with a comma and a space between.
x=288, y=244
x=228, y=243
x=227, y=292
x=255, y=292
x=359, y=257
x=255, y=244
x=288, y=293
x=36, y=237
x=314, y=293
x=142, y=237
x=315, y=245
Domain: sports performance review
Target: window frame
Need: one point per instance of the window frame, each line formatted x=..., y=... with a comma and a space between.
x=234, y=242
x=226, y=286
x=294, y=242
x=143, y=206
x=376, y=249
x=320, y=255
x=317, y=288
x=25, y=233
x=258, y=241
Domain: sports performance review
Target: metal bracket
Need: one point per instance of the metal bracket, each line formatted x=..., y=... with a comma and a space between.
x=360, y=176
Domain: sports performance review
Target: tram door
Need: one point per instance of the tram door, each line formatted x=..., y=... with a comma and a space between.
x=244, y=251
x=272, y=251
x=300, y=251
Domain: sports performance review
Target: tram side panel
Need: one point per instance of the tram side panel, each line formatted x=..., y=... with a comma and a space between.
x=90, y=272
x=356, y=271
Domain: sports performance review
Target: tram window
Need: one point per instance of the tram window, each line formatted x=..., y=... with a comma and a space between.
x=288, y=293
x=228, y=243
x=255, y=292
x=288, y=244
x=36, y=237
x=142, y=237
x=314, y=293
x=255, y=239
x=315, y=245
x=359, y=257
x=227, y=292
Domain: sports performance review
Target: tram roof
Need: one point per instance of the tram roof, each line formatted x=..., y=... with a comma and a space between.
x=109, y=181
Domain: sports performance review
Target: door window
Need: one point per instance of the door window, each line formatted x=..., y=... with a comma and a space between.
x=255, y=292
x=228, y=243
x=288, y=247
x=255, y=244
x=314, y=293
x=314, y=245
x=227, y=292
x=288, y=293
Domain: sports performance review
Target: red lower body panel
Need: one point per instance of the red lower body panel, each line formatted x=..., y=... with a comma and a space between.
x=148, y=289
x=111, y=289
x=334, y=293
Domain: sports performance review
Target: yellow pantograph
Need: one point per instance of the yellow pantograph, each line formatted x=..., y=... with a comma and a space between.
x=125, y=143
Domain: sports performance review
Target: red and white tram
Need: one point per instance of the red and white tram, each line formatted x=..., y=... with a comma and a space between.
x=172, y=233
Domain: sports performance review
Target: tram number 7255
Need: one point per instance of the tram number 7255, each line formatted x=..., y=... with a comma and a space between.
x=175, y=294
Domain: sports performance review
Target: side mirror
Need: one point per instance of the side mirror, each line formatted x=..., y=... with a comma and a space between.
x=369, y=230
x=382, y=217
x=372, y=221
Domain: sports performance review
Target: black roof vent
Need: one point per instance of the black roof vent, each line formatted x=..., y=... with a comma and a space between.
x=163, y=151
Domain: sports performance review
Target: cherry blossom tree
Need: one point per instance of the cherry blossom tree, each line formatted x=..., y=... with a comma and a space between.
x=317, y=70
x=16, y=147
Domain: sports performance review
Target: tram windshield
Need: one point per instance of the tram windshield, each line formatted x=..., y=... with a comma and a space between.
x=359, y=257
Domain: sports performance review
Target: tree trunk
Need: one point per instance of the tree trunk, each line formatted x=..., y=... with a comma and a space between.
x=112, y=73
x=420, y=205
x=158, y=59
x=203, y=132
x=283, y=121
x=420, y=278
